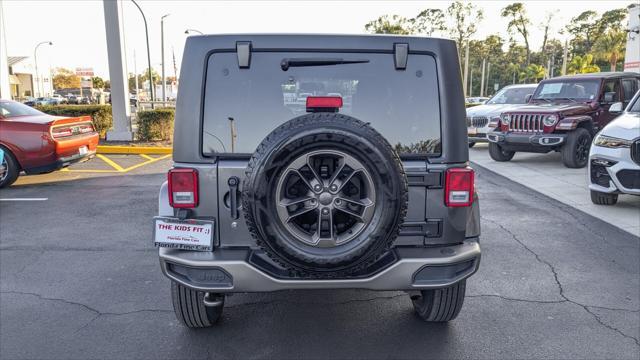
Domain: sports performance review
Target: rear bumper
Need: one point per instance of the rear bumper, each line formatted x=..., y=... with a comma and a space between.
x=524, y=140
x=225, y=270
x=61, y=163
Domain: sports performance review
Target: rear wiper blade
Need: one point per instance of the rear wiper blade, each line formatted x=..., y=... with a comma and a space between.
x=286, y=63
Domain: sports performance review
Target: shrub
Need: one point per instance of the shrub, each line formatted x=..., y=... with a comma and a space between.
x=100, y=114
x=155, y=124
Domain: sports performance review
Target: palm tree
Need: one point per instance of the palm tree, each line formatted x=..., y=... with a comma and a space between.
x=532, y=72
x=582, y=65
x=514, y=69
x=610, y=46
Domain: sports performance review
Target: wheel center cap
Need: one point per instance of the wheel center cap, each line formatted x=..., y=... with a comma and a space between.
x=325, y=198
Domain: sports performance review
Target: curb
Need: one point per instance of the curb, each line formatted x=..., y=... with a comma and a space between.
x=106, y=149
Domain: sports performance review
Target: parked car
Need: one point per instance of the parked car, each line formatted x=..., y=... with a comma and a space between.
x=477, y=100
x=30, y=101
x=323, y=196
x=36, y=143
x=479, y=117
x=45, y=101
x=563, y=115
x=73, y=99
x=59, y=99
x=614, y=159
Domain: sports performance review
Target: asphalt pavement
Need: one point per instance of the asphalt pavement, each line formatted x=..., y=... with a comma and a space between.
x=80, y=279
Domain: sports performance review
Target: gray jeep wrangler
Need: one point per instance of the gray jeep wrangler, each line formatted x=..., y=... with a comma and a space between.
x=318, y=162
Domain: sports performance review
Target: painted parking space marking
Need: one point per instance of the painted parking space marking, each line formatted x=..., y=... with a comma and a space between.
x=24, y=199
x=117, y=168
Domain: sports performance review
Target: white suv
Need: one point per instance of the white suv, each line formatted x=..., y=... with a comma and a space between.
x=614, y=159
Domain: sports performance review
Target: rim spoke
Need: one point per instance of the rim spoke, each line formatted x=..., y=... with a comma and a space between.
x=316, y=179
x=340, y=184
x=326, y=219
x=300, y=211
x=289, y=202
x=299, y=174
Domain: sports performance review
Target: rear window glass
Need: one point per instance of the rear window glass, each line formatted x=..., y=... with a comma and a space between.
x=402, y=105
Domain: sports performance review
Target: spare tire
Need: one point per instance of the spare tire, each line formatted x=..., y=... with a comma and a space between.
x=324, y=195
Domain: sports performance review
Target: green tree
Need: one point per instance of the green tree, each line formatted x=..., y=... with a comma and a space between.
x=389, y=24
x=518, y=22
x=532, y=72
x=583, y=28
x=65, y=79
x=145, y=76
x=428, y=22
x=464, y=17
x=97, y=82
x=582, y=65
x=610, y=46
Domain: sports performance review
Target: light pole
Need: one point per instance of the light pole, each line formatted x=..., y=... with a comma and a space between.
x=35, y=60
x=192, y=31
x=146, y=31
x=164, y=96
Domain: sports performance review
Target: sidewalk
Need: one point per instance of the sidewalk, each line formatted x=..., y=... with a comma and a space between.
x=546, y=174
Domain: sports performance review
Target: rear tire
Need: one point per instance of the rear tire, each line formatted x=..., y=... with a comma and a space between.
x=189, y=306
x=471, y=144
x=12, y=169
x=440, y=305
x=497, y=153
x=575, y=152
x=600, y=198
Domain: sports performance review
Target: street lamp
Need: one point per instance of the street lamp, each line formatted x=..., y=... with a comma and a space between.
x=35, y=60
x=164, y=96
x=192, y=31
x=146, y=31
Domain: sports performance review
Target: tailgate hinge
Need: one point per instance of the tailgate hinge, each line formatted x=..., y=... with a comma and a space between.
x=243, y=50
x=400, y=55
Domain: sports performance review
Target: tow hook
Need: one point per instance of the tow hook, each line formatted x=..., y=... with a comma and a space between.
x=212, y=300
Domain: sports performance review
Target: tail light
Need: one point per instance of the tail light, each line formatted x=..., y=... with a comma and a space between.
x=63, y=131
x=324, y=103
x=458, y=187
x=183, y=188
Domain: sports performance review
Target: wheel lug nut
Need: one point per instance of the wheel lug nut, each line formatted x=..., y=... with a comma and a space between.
x=325, y=211
x=338, y=201
x=313, y=201
x=317, y=188
x=334, y=188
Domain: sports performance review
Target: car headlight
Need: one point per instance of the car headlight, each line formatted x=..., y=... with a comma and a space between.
x=505, y=119
x=611, y=142
x=494, y=121
x=550, y=120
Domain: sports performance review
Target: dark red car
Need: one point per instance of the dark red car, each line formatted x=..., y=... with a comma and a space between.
x=36, y=143
x=563, y=114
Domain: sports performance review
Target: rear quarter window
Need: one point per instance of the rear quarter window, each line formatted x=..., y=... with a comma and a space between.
x=403, y=105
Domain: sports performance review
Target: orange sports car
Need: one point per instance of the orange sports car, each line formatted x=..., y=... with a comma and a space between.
x=36, y=143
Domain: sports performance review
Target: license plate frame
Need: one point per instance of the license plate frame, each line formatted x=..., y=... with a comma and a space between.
x=183, y=239
x=472, y=131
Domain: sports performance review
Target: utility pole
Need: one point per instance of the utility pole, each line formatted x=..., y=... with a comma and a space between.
x=564, y=58
x=488, y=77
x=482, y=78
x=553, y=65
x=175, y=67
x=135, y=74
x=35, y=60
x=5, y=87
x=146, y=31
x=471, y=82
x=164, y=79
x=466, y=70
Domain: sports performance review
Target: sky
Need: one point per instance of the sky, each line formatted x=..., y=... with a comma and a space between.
x=77, y=28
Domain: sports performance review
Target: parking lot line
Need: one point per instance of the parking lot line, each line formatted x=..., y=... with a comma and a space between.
x=110, y=162
x=146, y=156
x=24, y=199
x=146, y=162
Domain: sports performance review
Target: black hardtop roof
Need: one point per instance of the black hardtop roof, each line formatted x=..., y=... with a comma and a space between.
x=596, y=75
x=321, y=41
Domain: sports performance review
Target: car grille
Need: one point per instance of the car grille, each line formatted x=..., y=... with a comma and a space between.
x=530, y=123
x=477, y=121
x=635, y=151
x=630, y=179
